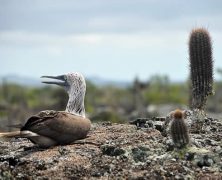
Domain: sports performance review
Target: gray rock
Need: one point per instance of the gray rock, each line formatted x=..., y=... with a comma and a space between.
x=139, y=154
x=112, y=150
x=203, y=160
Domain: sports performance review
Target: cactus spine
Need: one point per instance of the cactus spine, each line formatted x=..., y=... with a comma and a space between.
x=201, y=65
x=179, y=130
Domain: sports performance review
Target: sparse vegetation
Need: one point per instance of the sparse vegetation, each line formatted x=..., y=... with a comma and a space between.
x=17, y=103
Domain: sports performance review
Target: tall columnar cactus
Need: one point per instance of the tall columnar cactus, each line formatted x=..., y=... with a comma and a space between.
x=179, y=130
x=201, y=65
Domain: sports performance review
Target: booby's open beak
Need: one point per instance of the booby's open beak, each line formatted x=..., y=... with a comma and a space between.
x=62, y=80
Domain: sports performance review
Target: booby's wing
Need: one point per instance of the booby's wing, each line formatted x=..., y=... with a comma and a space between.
x=38, y=118
x=60, y=126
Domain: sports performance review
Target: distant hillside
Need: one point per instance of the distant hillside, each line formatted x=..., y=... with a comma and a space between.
x=21, y=80
x=35, y=82
x=104, y=82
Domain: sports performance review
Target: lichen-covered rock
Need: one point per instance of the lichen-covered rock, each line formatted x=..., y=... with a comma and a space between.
x=115, y=151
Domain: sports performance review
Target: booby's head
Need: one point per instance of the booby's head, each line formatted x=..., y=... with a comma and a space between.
x=70, y=82
x=75, y=85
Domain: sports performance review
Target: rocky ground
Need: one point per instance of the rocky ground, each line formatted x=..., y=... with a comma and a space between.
x=119, y=151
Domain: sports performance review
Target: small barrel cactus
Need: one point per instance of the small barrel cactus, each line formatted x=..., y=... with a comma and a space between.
x=179, y=130
x=201, y=65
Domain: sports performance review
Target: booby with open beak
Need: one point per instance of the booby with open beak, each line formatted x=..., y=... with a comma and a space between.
x=50, y=128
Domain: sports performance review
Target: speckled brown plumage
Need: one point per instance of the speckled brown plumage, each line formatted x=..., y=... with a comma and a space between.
x=60, y=126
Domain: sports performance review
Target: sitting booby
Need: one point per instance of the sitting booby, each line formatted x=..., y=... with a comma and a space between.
x=50, y=128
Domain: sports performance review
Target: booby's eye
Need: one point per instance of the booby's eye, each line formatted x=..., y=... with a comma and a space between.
x=65, y=78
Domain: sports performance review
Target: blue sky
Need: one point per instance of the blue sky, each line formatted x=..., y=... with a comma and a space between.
x=111, y=39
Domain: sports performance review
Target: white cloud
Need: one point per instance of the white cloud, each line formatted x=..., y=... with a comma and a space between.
x=120, y=39
x=98, y=16
x=35, y=39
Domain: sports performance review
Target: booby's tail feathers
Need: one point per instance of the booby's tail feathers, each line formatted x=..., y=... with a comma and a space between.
x=23, y=134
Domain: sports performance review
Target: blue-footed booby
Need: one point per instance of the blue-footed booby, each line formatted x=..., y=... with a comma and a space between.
x=50, y=128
